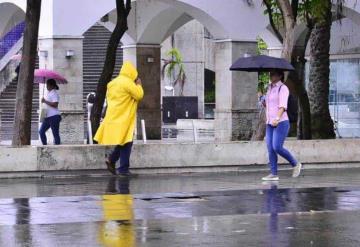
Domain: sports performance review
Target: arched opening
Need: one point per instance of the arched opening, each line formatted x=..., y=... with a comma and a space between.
x=197, y=35
x=11, y=26
x=172, y=17
x=153, y=22
x=10, y=16
x=196, y=47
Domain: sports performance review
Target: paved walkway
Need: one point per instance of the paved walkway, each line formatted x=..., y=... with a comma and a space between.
x=321, y=208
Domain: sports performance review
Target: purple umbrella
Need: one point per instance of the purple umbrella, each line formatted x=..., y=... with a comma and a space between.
x=261, y=63
x=42, y=75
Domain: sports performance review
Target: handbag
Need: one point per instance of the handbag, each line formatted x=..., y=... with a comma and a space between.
x=43, y=113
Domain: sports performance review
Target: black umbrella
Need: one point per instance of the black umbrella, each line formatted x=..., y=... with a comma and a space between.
x=261, y=63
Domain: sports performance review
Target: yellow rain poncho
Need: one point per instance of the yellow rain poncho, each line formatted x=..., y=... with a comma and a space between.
x=122, y=96
x=118, y=229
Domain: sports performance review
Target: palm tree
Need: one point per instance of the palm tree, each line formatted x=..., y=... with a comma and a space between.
x=322, y=124
x=175, y=65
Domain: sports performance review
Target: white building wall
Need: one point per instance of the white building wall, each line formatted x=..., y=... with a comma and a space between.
x=345, y=38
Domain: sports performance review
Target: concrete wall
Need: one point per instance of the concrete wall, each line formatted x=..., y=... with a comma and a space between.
x=345, y=37
x=344, y=41
x=175, y=156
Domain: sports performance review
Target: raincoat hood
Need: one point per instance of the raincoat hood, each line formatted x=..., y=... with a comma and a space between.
x=129, y=70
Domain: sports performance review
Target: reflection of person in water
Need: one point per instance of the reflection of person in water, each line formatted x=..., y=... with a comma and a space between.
x=275, y=204
x=23, y=216
x=117, y=228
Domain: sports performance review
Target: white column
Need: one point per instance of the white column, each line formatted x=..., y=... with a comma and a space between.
x=71, y=94
x=236, y=93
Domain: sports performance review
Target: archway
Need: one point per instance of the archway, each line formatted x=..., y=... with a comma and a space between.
x=234, y=90
x=152, y=21
x=10, y=16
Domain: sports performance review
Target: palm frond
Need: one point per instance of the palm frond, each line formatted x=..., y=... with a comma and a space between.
x=175, y=65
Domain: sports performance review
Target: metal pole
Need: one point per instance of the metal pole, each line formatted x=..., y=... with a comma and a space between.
x=89, y=108
x=194, y=132
x=143, y=129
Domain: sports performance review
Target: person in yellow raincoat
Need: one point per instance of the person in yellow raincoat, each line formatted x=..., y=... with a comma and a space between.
x=117, y=230
x=122, y=96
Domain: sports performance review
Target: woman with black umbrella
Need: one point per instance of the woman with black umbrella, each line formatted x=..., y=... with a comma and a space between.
x=278, y=125
x=276, y=103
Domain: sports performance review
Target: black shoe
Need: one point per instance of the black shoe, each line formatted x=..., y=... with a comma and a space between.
x=110, y=167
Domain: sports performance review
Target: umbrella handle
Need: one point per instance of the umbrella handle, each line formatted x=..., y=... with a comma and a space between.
x=43, y=93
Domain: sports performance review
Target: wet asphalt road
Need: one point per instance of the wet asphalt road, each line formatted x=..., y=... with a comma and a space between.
x=321, y=208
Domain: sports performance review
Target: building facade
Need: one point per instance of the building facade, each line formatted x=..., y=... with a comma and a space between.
x=211, y=35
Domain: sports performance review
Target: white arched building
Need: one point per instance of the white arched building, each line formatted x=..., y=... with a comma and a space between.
x=234, y=26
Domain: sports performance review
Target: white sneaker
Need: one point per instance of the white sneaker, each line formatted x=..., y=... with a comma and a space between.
x=297, y=170
x=271, y=178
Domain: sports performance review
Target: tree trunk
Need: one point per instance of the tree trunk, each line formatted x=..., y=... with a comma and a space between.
x=296, y=79
x=289, y=24
x=110, y=61
x=24, y=93
x=296, y=83
x=322, y=124
x=260, y=131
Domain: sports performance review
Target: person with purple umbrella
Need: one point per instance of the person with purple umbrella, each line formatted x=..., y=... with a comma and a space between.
x=278, y=125
x=53, y=117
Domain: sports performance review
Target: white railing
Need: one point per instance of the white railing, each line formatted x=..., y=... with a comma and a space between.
x=195, y=130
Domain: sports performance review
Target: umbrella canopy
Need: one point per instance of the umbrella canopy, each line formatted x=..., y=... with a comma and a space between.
x=261, y=63
x=42, y=75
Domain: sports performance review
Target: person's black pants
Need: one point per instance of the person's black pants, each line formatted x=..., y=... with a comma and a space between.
x=123, y=153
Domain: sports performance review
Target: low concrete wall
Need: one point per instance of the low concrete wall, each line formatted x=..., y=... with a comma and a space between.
x=175, y=156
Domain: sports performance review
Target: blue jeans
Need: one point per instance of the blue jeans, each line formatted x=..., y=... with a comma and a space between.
x=275, y=138
x=123, y=153
x=53, y=123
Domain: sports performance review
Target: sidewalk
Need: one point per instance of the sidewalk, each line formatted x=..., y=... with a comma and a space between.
x=97, y=183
